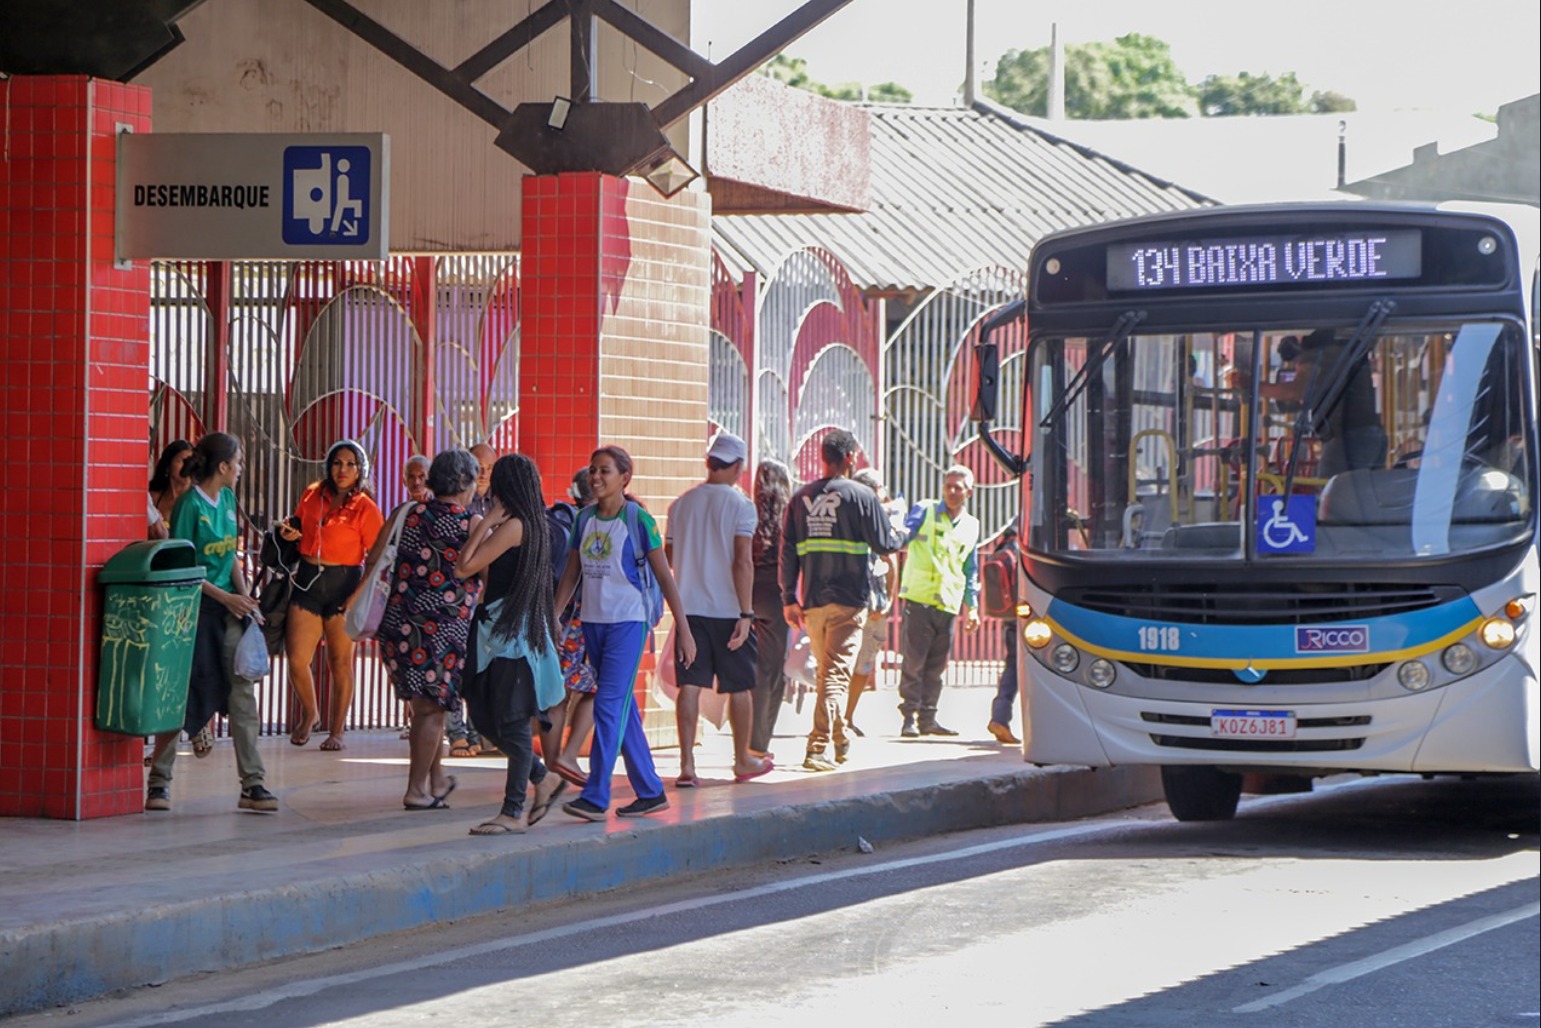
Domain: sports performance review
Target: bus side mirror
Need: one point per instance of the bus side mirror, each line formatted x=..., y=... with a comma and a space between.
x=987, y=377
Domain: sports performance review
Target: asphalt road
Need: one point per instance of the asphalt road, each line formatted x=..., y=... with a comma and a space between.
x=1369, y=903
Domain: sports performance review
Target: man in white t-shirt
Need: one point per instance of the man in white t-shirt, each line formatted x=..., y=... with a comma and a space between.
x=708, y=544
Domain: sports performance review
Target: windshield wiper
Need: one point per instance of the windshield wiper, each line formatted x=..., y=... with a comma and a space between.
x=1331, y=384
x=1122, y=328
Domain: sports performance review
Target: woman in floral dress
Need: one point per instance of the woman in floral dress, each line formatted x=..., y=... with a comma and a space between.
x=427, y=621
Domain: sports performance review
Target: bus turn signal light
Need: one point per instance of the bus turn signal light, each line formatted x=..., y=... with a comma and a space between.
x=1037, y=634
x=1518, y=607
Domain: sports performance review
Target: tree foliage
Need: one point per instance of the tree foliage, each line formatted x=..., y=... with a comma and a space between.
x=1132, y=77
x=1135, y=77
x=794, y=72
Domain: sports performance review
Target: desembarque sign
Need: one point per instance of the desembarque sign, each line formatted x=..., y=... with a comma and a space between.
x=1266, y=260
x=250, y=195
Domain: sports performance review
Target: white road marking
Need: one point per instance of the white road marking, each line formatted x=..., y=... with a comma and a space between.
x=1396, y=955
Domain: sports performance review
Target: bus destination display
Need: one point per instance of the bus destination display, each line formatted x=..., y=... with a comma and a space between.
x=1266, y=260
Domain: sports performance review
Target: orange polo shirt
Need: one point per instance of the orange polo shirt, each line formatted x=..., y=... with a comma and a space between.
x=343, y=536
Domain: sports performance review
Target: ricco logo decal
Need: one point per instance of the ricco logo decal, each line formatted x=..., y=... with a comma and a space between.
x=1336, y=639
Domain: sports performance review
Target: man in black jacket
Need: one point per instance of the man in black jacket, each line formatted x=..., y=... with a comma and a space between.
x=833, y=525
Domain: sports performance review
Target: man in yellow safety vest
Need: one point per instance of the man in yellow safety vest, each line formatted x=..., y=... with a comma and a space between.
x=941, y=581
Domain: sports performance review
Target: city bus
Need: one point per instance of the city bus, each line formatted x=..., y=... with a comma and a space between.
x=1278, y=497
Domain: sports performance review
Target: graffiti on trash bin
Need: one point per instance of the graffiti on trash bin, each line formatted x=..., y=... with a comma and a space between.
x=139, y=677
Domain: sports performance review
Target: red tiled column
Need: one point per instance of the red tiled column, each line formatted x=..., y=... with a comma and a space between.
x=616, y=283
x=74, y=343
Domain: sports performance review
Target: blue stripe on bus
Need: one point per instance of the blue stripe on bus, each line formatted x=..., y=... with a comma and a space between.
x=1170, y=641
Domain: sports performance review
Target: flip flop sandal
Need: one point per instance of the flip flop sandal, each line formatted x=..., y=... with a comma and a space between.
x=454, y=783
x=437, y=804
x=767, y=769
x=497, y=828
x=569, y=774
x=299, y=738
x=203, y=742
x=538, y=811
x=464, y=750
x=333, y=743
x=686, y=782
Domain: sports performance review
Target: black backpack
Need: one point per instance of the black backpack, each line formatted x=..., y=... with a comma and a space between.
x=560, y=519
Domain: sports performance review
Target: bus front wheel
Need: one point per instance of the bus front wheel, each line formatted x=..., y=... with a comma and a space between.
x=1200, y=793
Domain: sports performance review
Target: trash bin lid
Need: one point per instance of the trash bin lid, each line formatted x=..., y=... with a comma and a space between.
x=156, y=562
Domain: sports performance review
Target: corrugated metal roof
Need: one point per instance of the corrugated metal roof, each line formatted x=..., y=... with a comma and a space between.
x=953, y=189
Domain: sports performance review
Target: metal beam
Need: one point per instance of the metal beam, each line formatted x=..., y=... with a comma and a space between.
x=653, y=38
x=409, y=57
x=744, y=60
x=583, y=52
x=548, y=16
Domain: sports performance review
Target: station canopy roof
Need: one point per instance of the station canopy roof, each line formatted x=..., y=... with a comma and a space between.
x=953, y=189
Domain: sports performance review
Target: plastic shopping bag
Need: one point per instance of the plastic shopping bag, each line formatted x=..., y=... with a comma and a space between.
x=251, y=653
x=800, y=666
x=714, y=705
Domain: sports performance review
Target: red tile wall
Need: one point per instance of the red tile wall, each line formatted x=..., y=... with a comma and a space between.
x=614, y=341
x=74, y=338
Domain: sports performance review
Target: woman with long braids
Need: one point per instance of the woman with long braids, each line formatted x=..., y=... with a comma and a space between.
x=605, y=556
x=336, y=524
x=516, y=675
x=206, y=517
x=772, y=492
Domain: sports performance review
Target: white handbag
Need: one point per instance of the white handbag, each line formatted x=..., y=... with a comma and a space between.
x=364, y=614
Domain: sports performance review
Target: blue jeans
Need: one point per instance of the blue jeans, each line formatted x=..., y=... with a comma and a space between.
x=615, y=651
x=1006, y=689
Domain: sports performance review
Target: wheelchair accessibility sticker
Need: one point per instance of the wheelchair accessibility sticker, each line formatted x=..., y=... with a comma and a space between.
x=1286, y=526
x=326, y=195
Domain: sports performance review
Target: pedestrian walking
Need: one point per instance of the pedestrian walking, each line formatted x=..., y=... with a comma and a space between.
x=573, y=722
x=618, y=558
x=464, y=740
x=206, y=517
x=940, y=583
x=336, y=523
x=772, y=491
x=833, y=526
x=1006, y=686
x=883, y=584
x=515, y=677
x=424, y=632
x=709, y=545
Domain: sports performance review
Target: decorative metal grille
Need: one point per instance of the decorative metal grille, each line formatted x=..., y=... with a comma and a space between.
x=321, y=351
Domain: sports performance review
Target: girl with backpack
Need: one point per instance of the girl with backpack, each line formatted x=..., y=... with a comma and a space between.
x=617, y=554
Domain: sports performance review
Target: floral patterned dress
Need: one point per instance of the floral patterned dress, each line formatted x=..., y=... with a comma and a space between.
x=427, y=622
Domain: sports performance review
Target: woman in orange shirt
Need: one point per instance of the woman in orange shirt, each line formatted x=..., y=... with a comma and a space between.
x=336, y=523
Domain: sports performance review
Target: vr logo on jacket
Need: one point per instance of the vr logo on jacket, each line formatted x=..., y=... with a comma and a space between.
x=823, y=511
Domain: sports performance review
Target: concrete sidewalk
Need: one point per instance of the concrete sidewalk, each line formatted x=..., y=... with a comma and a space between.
x=86, y=908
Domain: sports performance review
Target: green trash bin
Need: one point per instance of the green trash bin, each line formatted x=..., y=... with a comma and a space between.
x=148, y=623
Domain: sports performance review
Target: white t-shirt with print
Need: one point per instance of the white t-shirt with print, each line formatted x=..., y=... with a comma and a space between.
x=611, y=595
x=702, y=526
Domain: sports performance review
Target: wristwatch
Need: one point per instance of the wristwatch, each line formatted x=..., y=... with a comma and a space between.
x=746, y=614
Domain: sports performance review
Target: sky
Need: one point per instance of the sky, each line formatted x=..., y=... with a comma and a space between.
x=1467, y=56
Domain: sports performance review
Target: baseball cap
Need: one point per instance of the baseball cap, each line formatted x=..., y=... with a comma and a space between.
x=728, y=448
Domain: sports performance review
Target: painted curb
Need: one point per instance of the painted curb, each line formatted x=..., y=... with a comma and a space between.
x=68, y=961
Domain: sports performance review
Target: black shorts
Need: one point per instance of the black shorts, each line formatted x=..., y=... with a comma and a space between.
x=733, y=670
x=324, y=589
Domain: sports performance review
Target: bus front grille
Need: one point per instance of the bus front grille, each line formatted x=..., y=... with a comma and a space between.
x=1280, y=676
x=1183, y=742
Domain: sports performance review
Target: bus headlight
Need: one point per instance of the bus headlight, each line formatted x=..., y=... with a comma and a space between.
x=1459, y=659
x=1414, y=676
x=1101, y=673
x=1037, y=634
x=1065, y=658
x=1497, y=633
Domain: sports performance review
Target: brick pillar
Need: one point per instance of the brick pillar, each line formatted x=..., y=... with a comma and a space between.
x=74, y=342
x=616, y=285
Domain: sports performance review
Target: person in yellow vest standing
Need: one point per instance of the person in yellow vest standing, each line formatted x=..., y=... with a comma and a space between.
x=940, y=582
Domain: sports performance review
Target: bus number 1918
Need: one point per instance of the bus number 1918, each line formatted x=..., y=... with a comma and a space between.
x=1160, y=639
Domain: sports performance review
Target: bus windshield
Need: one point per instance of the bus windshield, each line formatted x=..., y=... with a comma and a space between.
x=1393, y=443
